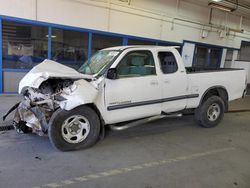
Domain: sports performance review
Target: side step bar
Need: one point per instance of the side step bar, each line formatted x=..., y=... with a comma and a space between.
x=141, y=121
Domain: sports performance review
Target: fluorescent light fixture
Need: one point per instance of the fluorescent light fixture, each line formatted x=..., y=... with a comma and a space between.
x=221, y=7
x=217, y=0
x=52, y=36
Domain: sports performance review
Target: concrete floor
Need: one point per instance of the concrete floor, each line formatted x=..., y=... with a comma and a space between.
x=164, y=153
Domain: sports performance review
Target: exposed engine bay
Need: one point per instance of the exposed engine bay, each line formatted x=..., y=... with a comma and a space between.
x=33, y=113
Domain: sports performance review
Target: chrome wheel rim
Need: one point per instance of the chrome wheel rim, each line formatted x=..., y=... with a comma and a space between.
x=213, y=112
x=75, y=129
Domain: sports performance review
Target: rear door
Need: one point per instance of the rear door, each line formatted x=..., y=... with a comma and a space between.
x=136, y=93
x=174, y=81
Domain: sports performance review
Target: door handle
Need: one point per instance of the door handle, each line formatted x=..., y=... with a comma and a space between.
x=153, y=83
x=167, y=81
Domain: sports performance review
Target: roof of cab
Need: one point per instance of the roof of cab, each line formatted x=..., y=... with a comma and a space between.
x=140, y=46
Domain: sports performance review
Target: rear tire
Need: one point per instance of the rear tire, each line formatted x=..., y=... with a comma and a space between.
x=78, y=128
x=210, y=112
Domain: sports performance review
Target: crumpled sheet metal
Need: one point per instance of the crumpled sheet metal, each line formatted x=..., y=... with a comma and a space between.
x=33, y=116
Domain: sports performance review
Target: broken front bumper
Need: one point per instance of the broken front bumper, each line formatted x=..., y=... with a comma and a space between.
x=30, y=118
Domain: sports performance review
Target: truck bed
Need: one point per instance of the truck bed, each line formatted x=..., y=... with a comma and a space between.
x=232, y=80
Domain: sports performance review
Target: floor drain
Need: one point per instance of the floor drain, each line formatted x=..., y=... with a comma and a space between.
x=6, y=128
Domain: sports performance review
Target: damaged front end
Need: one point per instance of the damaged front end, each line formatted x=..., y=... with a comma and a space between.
x=33, y=113
x=46, y=88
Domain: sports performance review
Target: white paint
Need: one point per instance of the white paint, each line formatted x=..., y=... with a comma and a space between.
x=84, y=93
x=188, y=53
x=200, y=82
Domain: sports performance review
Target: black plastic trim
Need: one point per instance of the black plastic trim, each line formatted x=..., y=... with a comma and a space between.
x=135, y=104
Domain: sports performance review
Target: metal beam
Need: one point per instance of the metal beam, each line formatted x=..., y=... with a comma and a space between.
x=49, y=42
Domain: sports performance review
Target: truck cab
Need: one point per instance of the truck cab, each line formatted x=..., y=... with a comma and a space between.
x=145, y=82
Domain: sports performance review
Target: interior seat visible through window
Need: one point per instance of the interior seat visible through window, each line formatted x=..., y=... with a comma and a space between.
x=137, y=63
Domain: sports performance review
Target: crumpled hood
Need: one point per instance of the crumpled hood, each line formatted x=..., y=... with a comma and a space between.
x=49, y=69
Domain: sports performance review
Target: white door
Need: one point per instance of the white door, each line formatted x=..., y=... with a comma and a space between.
x=174, y=83
x=136, y=93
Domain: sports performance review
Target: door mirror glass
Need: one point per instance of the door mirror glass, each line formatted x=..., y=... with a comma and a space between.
x=112, y=74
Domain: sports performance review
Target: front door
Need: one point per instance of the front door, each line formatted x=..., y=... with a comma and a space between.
x=136, y=93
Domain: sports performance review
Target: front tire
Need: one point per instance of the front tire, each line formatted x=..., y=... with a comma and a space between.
x=210, y=112
x=78, y=128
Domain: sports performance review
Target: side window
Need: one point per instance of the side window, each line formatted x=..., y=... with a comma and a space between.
x=168, y=62
x=135, y=64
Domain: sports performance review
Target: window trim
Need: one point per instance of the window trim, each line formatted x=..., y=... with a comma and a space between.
x=161, y=65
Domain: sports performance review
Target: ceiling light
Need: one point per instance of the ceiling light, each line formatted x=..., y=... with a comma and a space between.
x=52, y=36
x=221, y=7
x=217, y=0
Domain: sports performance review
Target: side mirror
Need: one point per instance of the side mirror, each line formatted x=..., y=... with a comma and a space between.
x=112, y=74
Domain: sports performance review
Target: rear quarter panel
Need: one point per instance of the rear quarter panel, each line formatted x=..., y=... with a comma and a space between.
x=232, y=80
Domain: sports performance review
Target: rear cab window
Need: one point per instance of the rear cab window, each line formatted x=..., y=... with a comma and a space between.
x=168, y=62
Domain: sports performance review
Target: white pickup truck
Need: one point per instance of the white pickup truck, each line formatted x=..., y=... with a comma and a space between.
x=120, y=87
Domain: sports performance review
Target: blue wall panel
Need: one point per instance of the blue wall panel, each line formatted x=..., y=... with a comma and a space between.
x=125, y=41
x=49, y=42
x=90, y=45
x=1, y=59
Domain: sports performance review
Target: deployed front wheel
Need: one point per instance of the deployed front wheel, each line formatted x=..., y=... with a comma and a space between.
x=210, y=112
x=78, y=128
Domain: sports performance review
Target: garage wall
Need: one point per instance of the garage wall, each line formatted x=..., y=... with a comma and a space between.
x=11, y=80
x=158, y=19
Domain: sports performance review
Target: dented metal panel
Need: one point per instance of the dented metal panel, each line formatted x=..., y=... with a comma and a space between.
x=48, y=69
x=47, y=87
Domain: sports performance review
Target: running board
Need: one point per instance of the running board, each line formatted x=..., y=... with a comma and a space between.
x=141, y=121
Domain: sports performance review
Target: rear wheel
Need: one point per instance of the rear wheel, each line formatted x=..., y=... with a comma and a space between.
x=210, y=112
x=75, y=129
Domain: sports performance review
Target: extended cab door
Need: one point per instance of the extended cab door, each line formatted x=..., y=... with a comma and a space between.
x=136, y=93
x=174, y=81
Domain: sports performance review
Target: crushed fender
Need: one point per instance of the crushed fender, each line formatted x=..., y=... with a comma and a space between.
x=33, y=113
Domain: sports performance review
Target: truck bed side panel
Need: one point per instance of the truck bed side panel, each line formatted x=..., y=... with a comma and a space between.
x=233, y=81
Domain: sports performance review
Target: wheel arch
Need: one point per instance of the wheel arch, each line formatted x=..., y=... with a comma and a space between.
x=219, y=91
x=102, y=122
x=90, y=105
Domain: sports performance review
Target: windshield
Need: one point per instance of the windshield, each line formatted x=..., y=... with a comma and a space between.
x=98, y=62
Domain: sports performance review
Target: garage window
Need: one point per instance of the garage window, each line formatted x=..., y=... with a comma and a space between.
x=135, y=64
x=244, y=54
x=24, y=45
x=102, y=41
x=140, y=42
x=207, y=57
x=69, y=47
